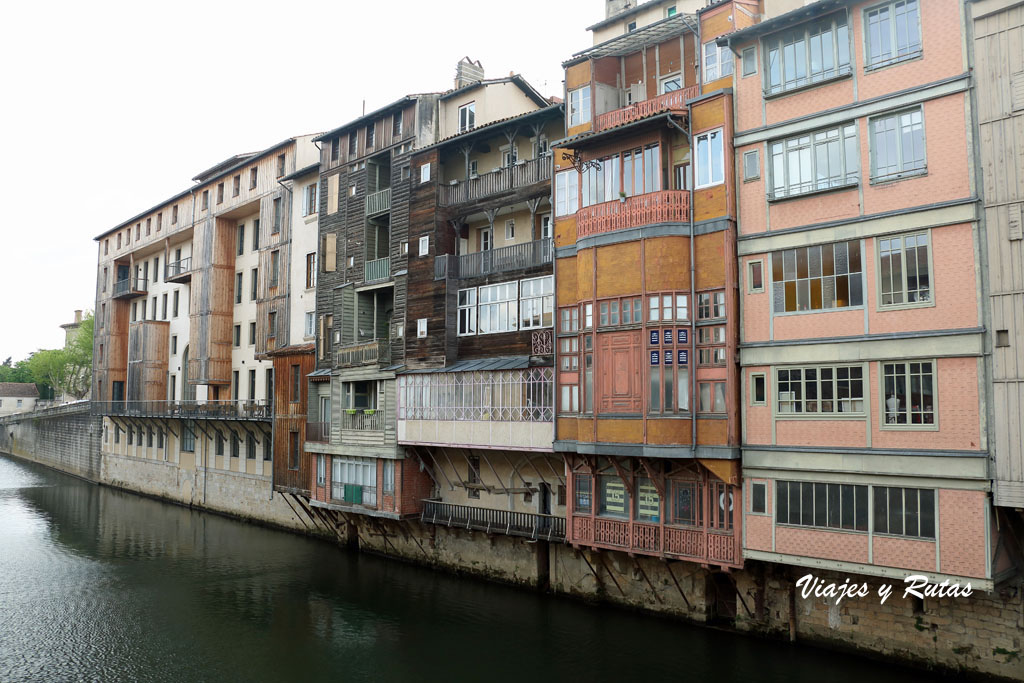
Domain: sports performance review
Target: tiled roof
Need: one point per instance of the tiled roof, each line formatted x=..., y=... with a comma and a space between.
x=18, y=390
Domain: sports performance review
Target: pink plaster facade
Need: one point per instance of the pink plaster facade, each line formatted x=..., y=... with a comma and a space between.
x=903, y=553
x=962, y=517
x=759, y=417
x=844, y=546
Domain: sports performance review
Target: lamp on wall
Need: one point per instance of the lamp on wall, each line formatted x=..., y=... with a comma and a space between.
x=577, y=161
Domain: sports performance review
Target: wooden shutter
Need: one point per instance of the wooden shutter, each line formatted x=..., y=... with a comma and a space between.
x=330, y=255
x=619, y=374
x=332, y=194
x=1015, y=229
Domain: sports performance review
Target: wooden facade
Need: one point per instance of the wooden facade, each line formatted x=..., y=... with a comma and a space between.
x=291, y=468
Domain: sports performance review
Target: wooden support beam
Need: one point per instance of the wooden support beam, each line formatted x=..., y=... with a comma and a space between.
x=559, y=478
x=455, y=470
x=437, y=466
x=659, y=482
x=668, y=565
x=426, y=468
x=611, y=576
x=295, y=512
x=504, y=489
x=622, y=474
x=636, y=563
x=514, y=469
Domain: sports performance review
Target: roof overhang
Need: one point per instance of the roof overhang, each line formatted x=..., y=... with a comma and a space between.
x=586, y=139
x=493, y=126
x=355, y=123
x=634, y=41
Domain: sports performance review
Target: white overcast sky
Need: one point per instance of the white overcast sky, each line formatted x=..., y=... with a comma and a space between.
x=108, y=108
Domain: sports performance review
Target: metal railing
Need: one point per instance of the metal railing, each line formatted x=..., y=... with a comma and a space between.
x=378, y=202
x=258, y=409
x=364, y=420
x=373, y=352
x=178, y=268
x=667, y=206
x=378, y=269
x=521, y=174
x=525, y=395
x=512, y=257
x=131, y=285
x=526, y=524
x=640, y=110
x=318, y=432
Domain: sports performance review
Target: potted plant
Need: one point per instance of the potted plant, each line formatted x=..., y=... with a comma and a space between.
x=622, y=196
x=350, y=411
x=369, y=411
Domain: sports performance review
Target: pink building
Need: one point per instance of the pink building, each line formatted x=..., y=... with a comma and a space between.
x=864, y=448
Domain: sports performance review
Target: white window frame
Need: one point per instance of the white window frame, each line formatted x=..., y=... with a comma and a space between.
x=903, y=171
x=467, y=117
x=546, y=226
x=709, y=135
x=567, y=192
x=754, y=154
x=510, y=229
x=904, y=289
x=534, y=307
x=767, y=507
x=321, y=469
x=883, y=407
x=425, y=173
x=778, y=396
x=309, y=202
x=509, y=155
x=467, y=312
x=913, y=52
x=676, y=79
x=424, y=245
x=580, y=108
x=840, y=33
x=310, y=324
x=421, y=328
x=807, y=150
x=751, y=288
x=506, y=308
x=754, y=376
x=717, y=61
x=751, y=50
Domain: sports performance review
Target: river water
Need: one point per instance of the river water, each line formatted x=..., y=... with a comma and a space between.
x=98, y=584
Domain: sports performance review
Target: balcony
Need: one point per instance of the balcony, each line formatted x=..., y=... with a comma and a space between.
x=653, y=539
x=369, y=420
x=513, y=257
x=378, y=269
x=522, y=174
x=378, y=202
x=179, y=271
x=525, y=524
x=376, y=352
x=354, y=494
x=318, y=432
x=667, y=206
x=670, y=101
x=199, y=410
x=130, y=288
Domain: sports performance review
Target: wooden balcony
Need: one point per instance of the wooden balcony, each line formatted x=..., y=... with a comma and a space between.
x=512, y=257
x=522, y=174
x=259, y=410
x=354, y=494
x=376, y=352
x=130, y=288
x=378, y=269
x=670, y=101
x=691, y=543
x=370, y=420
x=378, y=202
x=318, y=432
x=179, y=271
x=525, y=524
x=667, y=206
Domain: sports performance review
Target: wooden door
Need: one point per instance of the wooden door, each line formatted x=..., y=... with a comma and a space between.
x=619, y=375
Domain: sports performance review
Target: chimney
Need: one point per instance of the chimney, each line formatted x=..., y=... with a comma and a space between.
x=467, y=71
x=613, y=7
x=78, y=316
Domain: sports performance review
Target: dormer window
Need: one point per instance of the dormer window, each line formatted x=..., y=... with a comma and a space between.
x=630, y=27
x=467, y=117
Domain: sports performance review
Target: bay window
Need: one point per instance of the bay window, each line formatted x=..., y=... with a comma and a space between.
x=710, y=158
x=893, y=33
x=631, y=173
x=536, y=303
x=566, y=192
x=813, y=53
x=497, y=307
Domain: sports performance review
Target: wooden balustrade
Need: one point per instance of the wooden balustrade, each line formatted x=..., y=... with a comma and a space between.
x=373, y=352
x=378, y=269
x=670, y=101
x=653, y=539
x=378, y=202
x=512, y=257
x=363, y=420
x=513, y=177
x=525, y=524
x=667, y=206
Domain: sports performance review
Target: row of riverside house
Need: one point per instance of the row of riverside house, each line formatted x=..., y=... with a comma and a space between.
x=747, y=299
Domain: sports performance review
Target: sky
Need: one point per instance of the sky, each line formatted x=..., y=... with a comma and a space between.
x=108, y=108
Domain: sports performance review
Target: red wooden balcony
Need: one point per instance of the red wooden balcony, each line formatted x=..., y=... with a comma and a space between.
x=670, y=101
x=697, y=544
x=667, y=206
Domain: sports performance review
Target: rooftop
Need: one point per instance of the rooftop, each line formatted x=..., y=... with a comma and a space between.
x=18, y=390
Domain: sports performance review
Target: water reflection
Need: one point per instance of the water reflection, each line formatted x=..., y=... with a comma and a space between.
x=100, y=584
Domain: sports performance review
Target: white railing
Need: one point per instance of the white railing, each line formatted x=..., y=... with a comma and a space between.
x=378, y=202
x=525, y=395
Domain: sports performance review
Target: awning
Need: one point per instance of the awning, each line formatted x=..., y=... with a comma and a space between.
x=478, y=365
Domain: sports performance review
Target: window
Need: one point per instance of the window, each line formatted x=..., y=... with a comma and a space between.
x=149, y=222
x=252, y=385
x=467, y=311
x=467, y=117
x=236, y=188
x=497, y=308
x=163, y=308
x=106, y=247
x=757, y=389
x=904, y=270
x=751, y=165
x=717, y=61
x=369, y=136
x=670, y=84
x=710, y=159
x=252, y=333
x=813, y=53
x=834, y=389
x=275, y=268
x=309, y=206
x=710, y=305
x=818, y=161
x=909, y=393
x=188, y=437
x=234, y=445
x=421, y=328
x=817, y=278
x=240, y=234
x=276, y=227
x=897, y=145
x=567, y=192
x=174, y=214
x=893, y=33
x=640, y=173
x=254, y=284
x=424, y=245
x=669, y=375
x=280, y=165
x=296, y=386
x=749, y=59
x=388, y=476
x=235, y=385
x=904, y=512
x=510, y=230
x=253, y=175
x=625, y=311
x=321, y=470
x=828, y=506
x=138, y=231
x=536, y=304
x=272, y=324
x=758, y=498
x=238, y=288
x=255, y=234
x=205, y=204
x=174, y=306
x=755, y=277
x=237, y=336
x=396, y=125
x=667, y=307
x=582, y=500
x=353, y=142
x=630, y=27
x=425, y=173
x=570, y=319
x=310, y=326
x=670, y=12
x=311, y=270
x=579, y=106
x=160, y=438
x=405, y=248
x=545, y=226
x=712, y=397
x=612, y=496
x=220, y=197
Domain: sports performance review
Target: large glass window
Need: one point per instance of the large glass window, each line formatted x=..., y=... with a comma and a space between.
x=537, y=302
x=712, y=397
x=717, y=61
x=897, y=145
x=904, y=271
x=893, y=33
x=579, y=106
x=497, y=308
x=613, y=499
x=909, y=393
x=710, y=159
x=502, y=395
x=817, y=161
x=829, y=506
x=583, y=501
x=467, y=311
x=467, y=117
x=687, y=503
x=817, y=278
x=648, y=501
x=821, y=390
x=567, y=192
x=904, y=512
x=810, y=54
x=634, y=172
